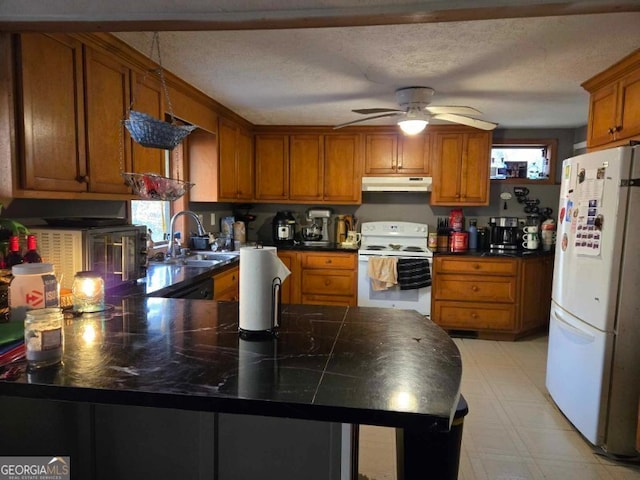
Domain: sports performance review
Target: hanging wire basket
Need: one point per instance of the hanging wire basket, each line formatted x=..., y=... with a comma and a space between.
x=150, y=186
x=149, y=131
x=152, y=133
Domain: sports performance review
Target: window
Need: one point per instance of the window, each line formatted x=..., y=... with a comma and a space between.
x=154, y=214
x=524, y=161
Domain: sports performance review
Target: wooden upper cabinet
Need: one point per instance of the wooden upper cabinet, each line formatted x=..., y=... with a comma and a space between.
x=342, y=168
x=306, y=167
x=147, y=97
x=381, y=154
x=461, y=170
x=108, y=96
x=391, y=154
x=414, y=154
x=53, y=126
x=235, y=179
x=614, y=105
x=272, y=167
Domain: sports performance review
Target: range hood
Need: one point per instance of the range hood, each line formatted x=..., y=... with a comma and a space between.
x=396, y=184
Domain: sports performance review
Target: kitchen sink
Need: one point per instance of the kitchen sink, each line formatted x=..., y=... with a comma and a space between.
x=200, y=259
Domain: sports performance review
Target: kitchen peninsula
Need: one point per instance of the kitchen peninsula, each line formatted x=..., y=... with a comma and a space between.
x=328, y=365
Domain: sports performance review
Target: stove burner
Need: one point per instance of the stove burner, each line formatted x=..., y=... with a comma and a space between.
x=413, y=249
x=375, y=247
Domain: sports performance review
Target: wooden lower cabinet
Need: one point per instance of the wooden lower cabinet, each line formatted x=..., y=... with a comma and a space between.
x=226, y=285
x=320, y=278
x=494, y=297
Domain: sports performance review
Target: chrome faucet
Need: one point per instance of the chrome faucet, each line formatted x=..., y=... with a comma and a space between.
x=171, y=245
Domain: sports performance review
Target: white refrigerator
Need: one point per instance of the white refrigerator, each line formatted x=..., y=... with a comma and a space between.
x=593, y=361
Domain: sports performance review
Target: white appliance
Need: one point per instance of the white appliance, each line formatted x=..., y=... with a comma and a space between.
x=397, y=239
x=593, y=362
x=396, y=184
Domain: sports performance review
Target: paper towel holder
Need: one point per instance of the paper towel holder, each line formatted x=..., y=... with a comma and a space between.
x=274, y=317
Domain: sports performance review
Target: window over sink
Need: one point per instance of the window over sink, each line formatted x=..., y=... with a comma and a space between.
x=528, y=160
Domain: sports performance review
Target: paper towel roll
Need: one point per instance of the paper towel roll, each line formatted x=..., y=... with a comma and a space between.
x=259, y=268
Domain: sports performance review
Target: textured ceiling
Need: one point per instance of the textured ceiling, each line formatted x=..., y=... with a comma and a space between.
x=521, y=72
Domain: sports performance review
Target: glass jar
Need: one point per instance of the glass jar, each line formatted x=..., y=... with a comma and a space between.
x=88, y=292
x=44, y=337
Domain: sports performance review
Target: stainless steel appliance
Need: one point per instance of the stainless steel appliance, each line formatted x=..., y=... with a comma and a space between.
x=284, y=226
x=593, y=359
x=317, y=232
x=393, y=239
x=118, y=253
x=504, y=233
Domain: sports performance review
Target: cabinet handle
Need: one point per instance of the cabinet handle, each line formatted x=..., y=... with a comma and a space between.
x=327, y=283
x=618, y=128
x=474, y=315
x=474, y=288
x=233, y=277
x=82, y=179
x=328, y=261
x=476, y=266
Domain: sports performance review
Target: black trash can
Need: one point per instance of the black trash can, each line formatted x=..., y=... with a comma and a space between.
x=438, y=456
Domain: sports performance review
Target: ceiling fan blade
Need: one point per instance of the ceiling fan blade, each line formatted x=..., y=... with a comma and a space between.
x=456, y=110
x=368, y=118
x=369, y=111
x=472, y=122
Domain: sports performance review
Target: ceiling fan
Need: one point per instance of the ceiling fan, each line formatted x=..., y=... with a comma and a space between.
x=415, y=112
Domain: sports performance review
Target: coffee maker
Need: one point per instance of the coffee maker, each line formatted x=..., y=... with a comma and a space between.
x=504, y=233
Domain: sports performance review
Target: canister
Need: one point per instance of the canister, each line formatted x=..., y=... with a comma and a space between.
x=43, y=337
x=459, y=241
x=432, y=241
x=33, y=286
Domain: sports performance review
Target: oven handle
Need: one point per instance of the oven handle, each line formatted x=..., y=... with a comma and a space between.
x=123, y=255
x=365, y=258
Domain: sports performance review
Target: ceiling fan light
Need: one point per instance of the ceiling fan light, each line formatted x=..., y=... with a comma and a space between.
x=412, y=126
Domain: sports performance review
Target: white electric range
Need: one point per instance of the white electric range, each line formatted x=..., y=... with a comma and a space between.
x=393, y=239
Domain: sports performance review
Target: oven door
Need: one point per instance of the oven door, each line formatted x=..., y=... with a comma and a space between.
x=114, y=255
x=418, y=299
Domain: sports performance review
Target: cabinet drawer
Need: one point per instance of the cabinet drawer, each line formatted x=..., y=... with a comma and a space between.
x=474, y=316
x=226, y=280
x=475, y=288
x=476, y=266
x=328, y=282
x=333, y=261
x=340, y=300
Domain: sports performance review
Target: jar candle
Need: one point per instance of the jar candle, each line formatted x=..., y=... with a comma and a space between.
x=88, y=292
x=43, y=337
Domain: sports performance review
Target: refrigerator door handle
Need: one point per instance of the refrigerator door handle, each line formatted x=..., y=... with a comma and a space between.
x=571, y=329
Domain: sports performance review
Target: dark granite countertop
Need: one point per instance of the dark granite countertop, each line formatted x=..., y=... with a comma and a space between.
x=344, y=364
x=499, y=253
x=332, y=247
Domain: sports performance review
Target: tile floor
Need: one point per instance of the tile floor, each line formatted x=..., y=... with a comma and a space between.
x=513, y=430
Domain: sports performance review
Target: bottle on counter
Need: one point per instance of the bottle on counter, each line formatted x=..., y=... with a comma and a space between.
x=473, y=234
x=32, y=255
x=14, y=257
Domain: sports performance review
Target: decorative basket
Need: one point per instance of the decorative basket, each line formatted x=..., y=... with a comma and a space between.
x=153, y=133
x=150, y=186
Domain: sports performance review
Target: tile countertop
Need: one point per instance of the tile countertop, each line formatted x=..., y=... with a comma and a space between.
x=339, y=364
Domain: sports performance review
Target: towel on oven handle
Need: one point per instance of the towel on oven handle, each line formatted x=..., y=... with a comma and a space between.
x=383, y=272
x=413, y=273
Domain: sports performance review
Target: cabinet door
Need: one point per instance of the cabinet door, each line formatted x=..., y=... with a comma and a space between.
x=474, y=187
x=226, y=285
x=461, y=173
x=245, y=169
x=342, y=177
x=272, y=167
x=227, y=172
x=414, y=157
x=147, y=97
x=448, y=169
x=381, y=154
x=629, y=106
x=291, y=285
x=53, y=113
x=602, y=115
x=306, y=167
x=107, y=101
